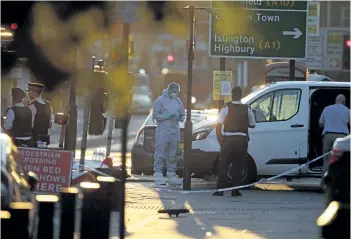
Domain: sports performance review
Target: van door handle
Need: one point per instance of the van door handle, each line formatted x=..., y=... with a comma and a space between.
x=296, y=126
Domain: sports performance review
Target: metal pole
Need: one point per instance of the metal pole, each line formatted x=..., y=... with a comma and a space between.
x=221, y=68
x=126, y=32
x=110, y=128
x=188, y=123
x=112, y=103
x=245, y=74
x=292, y=70
x=71, y=129
x=62, y=136
x=86, y=120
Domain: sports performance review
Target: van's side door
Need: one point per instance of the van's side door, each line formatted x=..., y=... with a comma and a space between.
x=279, y=140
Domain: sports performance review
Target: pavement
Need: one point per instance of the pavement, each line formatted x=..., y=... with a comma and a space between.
x=274, y=214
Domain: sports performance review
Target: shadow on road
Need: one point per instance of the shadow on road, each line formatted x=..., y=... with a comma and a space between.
x=257, y=214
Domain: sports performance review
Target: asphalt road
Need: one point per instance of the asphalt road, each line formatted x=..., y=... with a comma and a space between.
x=258, y=214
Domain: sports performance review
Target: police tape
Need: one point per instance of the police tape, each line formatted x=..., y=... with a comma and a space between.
x=246, y=185
x=263, y=180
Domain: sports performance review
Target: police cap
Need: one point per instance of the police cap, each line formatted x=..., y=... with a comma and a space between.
x=35, y=86
x=18, y=92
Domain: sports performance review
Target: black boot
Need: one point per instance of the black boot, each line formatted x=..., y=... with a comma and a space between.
x=236, y=193
x=217, y=194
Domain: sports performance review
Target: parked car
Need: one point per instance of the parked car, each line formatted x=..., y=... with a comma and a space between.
x=141, y=100
x=144, y=144
x=287, y=133
x=16, y=185
x=336, y=218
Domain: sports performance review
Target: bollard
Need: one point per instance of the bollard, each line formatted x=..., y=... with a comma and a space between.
x=46, y=207
x=68, y=212
x=5, y=223
x=105, y=199
x=90, y=215
x=20, y=219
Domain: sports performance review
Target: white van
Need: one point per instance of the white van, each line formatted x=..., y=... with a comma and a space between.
x=287, y=133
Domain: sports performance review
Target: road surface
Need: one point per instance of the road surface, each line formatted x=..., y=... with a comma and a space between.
x=258, y=214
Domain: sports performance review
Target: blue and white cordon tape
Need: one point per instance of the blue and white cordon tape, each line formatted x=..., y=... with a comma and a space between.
x=264, y=180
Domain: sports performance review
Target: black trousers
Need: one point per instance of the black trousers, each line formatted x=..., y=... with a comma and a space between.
x=233, y=151
x=21, y=142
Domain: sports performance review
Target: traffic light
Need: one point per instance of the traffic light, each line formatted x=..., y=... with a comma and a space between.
x=124, y=100
x=8, y=52
x=98, y=107
x=170, y=59
x=98, y=102
x=14, y=26
x=346, y=53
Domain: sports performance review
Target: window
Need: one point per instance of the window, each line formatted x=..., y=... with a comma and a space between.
x=285, y=104
x=277, y=106
x=262, y=108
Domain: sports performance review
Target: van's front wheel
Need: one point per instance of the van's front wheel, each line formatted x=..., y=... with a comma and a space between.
x=249, y=173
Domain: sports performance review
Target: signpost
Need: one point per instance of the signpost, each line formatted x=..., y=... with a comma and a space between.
x=263, y=29
x=313, y=18
x=314, y=57
x=222, y=85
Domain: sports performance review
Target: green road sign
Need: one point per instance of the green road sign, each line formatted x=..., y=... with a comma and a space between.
x=258, y=29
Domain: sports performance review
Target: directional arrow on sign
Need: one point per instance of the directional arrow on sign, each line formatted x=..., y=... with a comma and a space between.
x=296, y=33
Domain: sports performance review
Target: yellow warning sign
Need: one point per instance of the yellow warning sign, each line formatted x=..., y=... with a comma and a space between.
x=222, y=81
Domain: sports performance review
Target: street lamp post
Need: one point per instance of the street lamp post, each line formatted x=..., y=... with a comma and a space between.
x=188, y=123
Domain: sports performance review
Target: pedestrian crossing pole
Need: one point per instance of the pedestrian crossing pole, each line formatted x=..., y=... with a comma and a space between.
x=124, y=53
x=71, y=129
x=86, y=118
x=111, y=119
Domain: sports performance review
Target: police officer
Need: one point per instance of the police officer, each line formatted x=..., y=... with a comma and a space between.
x=232, y=134
x=19, y=120
x=42, y=113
